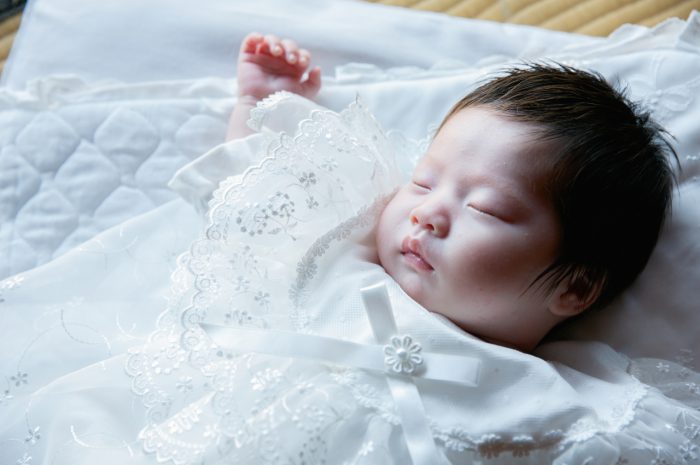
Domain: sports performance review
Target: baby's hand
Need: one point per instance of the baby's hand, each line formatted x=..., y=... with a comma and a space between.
x=267, y=64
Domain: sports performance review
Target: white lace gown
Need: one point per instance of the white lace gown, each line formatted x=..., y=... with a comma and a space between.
x=247, y=363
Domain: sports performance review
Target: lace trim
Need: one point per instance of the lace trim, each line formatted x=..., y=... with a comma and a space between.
x=263, y=107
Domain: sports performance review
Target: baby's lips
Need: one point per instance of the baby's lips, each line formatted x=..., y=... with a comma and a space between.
x=412, y=249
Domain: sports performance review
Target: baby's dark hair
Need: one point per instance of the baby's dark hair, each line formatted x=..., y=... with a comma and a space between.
x=611, y=180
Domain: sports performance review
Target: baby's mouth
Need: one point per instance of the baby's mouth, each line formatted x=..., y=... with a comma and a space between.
x=412, y=252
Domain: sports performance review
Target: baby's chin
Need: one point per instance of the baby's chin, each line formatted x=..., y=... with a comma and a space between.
x=413, y=286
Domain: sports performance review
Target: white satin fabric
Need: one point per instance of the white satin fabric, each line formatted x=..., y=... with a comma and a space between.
x=286, y=247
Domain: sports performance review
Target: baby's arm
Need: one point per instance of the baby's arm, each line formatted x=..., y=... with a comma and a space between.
x=267, y=65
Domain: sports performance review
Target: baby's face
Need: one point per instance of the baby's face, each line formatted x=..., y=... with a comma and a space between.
x=473, y=230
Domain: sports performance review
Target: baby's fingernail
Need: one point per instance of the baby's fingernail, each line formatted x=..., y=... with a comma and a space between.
x=276, y=50
x=291, y=58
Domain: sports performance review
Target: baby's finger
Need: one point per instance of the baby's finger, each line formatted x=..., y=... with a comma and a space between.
x=289, y=45
x=251, y=42
x=272, y=45
x=291, y=51
x=304, y=58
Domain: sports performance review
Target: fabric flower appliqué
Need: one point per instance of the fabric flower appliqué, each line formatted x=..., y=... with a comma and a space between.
x=402, y=355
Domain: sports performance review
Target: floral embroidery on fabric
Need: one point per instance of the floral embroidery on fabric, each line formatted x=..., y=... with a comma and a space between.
x=5, y=397
x=19, y=378
x=662, y=98
x=688, y=452
x=9, y=284
x=663, y=367
x=12, y=282
x=33, y=436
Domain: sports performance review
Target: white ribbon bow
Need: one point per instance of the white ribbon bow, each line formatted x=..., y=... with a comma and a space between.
x=399, y=356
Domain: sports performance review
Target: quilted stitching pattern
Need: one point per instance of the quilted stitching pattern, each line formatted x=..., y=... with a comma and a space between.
x=69, y=170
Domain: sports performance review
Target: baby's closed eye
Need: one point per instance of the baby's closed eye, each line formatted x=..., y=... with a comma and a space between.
x=488, y=212
x=421, y=185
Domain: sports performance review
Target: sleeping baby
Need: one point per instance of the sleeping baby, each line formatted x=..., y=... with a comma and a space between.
x=331, y=313
x=523, y=212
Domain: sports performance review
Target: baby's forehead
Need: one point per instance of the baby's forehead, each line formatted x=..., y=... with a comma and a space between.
x=498, y=134
x=467, y=151
x=500, y=123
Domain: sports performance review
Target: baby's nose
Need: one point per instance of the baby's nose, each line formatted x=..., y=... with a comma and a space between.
x=433, y=221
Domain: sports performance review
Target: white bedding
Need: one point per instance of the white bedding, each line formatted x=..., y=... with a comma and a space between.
x=81, y=154
x=269, y=349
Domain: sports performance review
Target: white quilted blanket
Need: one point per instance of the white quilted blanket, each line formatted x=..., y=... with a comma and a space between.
x=78, y=160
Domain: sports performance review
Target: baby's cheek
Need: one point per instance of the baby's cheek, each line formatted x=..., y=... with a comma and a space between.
x=391, y=219
x=414, y=287
x=386, y=242
x=488, y=262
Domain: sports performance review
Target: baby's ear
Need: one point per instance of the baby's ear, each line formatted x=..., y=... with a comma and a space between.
x=573, y=295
